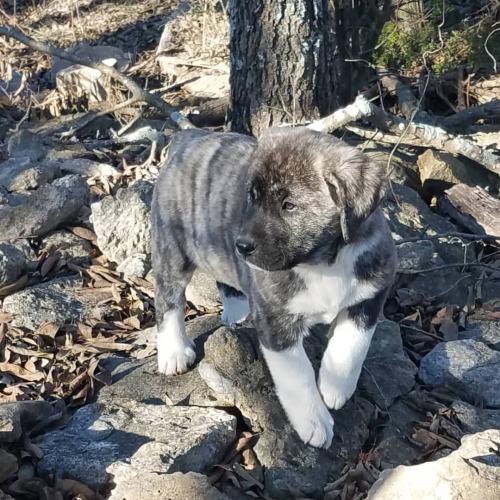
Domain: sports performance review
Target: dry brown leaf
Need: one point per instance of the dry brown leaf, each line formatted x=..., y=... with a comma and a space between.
x=49, y=263
x=133, y=321
x=15, y=287
x=77, y=489
x=84, y=233
x=48, y=329
x=6, y=317
x=21, y=372
x=28, y=352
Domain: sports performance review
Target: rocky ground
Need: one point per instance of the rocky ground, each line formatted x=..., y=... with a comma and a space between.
x=84, y=413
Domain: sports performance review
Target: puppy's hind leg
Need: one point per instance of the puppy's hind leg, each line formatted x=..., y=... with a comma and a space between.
x=236, y=307
x=175, y=349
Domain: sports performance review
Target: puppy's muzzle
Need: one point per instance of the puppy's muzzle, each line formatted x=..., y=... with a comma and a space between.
x=245, y=246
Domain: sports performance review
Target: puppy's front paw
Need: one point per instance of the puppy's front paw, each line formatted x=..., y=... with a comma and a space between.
x=175, y=357
x=314, y=428
x=334, y=389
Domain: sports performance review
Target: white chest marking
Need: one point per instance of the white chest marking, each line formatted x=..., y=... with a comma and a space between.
x=329, y=289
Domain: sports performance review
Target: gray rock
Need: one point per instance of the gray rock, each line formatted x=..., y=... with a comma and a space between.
x=474, y=419
x=484, y=331
x=466, y=366
x=123, y=223
x=439, y=171
x=35, y=214
x=21, y=174
x=153, y=439
x=22, y=416
x=135, y=265
x=387, y=372
x=415, y=255
x=133, y=485
x=26, y=144
x=202, y=291
x=55, y=301
x=471, y=472
x=139, y=380
x=69, y=245
x=290, y=465
x=12, y=264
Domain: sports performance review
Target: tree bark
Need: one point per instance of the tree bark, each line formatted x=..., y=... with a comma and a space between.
x=281, y=63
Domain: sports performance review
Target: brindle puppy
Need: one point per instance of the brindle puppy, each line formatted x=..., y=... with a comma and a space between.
x=291, y=230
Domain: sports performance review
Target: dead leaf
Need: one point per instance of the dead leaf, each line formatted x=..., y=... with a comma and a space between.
x=15, y=287
x=49, y=263
x=21, y=372
x=77, y=489
x=84, y=233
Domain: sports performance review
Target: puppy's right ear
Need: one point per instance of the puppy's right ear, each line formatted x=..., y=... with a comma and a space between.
x=338, y=193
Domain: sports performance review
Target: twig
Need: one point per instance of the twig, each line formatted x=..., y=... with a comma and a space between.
x=137, y=92
x=466, y=236
x=449, y=266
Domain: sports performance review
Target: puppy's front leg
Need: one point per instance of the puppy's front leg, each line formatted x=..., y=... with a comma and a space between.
x=346, y=352
x=295, y=383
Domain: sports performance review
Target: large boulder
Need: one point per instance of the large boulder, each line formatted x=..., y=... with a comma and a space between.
x=21, y=174
x=12, y=264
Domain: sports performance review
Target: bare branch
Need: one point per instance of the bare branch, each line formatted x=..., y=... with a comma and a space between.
x=466, y=236
x=138, y=94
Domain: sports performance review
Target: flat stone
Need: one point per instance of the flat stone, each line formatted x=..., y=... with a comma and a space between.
x=123, y=223
x=35, y=214
x=55, y=301
x=21, y=174
x=150, y=439
x=466, y=366
x=471, y=472
x=484, y=331
x=26, y=144
x=474, y=419
x=415, y=255
x=69, y=245
x=387, y=372
x=22, y=416
x=133, y=484
x=12, y=264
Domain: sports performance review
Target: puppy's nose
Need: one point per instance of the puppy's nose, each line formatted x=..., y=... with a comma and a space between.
x=245, y=246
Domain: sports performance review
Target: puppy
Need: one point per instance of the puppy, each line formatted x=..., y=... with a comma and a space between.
x=290, y=228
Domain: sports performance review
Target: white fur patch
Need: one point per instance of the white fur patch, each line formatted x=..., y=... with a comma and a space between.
x=175, y=348
x=236, y=309
x=342, y=362
x=329, y=289
x=296, y=387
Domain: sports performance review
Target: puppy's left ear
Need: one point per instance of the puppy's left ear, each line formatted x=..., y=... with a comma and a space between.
x=357, y=186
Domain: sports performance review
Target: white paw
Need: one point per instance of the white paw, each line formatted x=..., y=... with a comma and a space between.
x=235, y=311
x=334, y=389
x=175, y=356
x=315, y=428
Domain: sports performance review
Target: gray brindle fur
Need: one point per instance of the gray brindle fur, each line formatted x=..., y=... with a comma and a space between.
x=290, y=228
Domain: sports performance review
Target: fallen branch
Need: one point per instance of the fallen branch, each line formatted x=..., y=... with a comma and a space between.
x=449, y=266
x=471, y=115
x=467, y=236
x=138, y=94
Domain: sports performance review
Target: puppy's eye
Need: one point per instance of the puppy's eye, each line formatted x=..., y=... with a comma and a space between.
x=289, y=207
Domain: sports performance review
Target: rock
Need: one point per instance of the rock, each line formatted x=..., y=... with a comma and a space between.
x=133, y=484
x=35, y=214
x=393, y=446
x=466, y=366
x=415, y=255
x=55, y=301
x=202, y=291
x=135, y=265
x=21, y=174
x=439, y=171
x=387, y=372
x=69, y=245
x=22, y=416
x=148, y=439
x=139, y=380
x=484, y=331
x=26, y=144
x=8, y=465
x=12, y=264
x=471, y=472
x=474, y=419
x=291, y=466
x=123, y=223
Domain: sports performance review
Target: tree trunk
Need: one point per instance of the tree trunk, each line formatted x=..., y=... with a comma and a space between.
x=281, y=63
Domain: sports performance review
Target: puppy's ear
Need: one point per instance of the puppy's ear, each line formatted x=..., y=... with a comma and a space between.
x=357, y=186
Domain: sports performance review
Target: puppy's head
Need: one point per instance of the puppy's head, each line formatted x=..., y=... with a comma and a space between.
x=307, y=192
